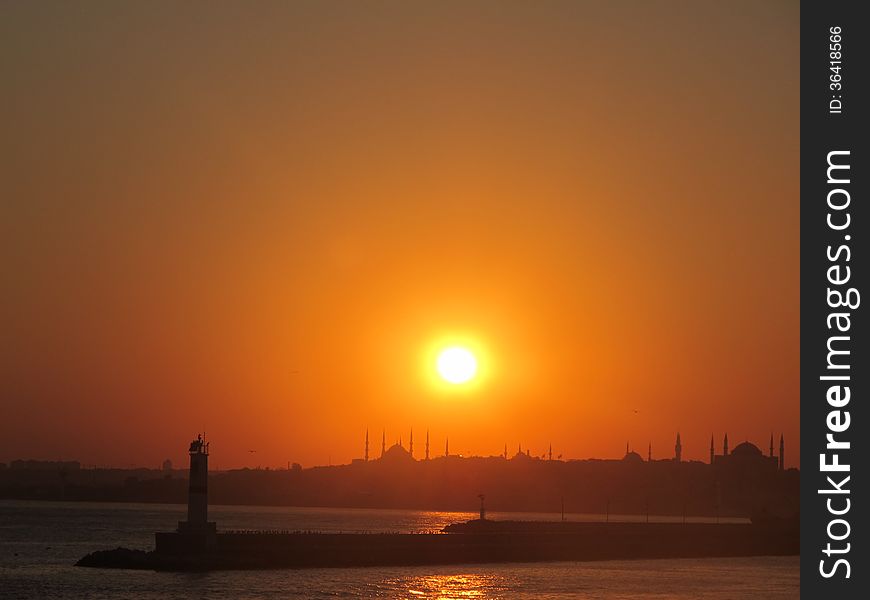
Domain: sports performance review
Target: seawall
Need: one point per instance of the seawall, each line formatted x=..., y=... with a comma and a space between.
x=492, y=542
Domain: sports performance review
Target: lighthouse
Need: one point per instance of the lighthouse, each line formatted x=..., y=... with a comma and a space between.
x=197, y=524
x=197, y=491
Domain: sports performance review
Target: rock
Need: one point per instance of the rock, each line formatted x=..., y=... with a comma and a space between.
x=119, y=558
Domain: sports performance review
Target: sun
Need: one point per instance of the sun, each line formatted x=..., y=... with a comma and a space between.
x=456, y=365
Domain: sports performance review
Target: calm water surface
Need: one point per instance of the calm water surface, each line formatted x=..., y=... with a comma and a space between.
x=40, y=541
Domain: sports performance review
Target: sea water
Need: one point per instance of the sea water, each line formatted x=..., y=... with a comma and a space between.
x=40, y=542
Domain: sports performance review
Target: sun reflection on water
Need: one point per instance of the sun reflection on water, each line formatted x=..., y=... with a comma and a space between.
x=455, y=587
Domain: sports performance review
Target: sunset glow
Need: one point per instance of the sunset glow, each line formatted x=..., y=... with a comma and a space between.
x=316, y=206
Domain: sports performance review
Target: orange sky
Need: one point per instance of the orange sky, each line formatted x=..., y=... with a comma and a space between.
x=258, y=221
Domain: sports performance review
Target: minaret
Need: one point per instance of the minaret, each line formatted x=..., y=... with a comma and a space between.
x=411, y=443
x=678, y=449
x=383, y=443
x=550, y=452
x=505, y=450
x=447, y=446
x=725, y=447
x=781, y=453
x=519, y=448
x=649, y=453
x=427, y=444
x=771, y=445
x=711, y=449
x=367, y=446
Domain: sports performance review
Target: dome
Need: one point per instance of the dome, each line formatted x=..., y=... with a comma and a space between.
x=746, y=449
x=397, y=452
x=633, y=457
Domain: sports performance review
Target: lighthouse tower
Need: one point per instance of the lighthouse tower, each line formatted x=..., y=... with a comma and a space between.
x=195, y=535
x=197, y=491
x=197, y=522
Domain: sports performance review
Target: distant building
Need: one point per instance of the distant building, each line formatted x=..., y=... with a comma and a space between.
x=522, y=455
x=397, y=454
x=746, y=456
x=631, y=456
